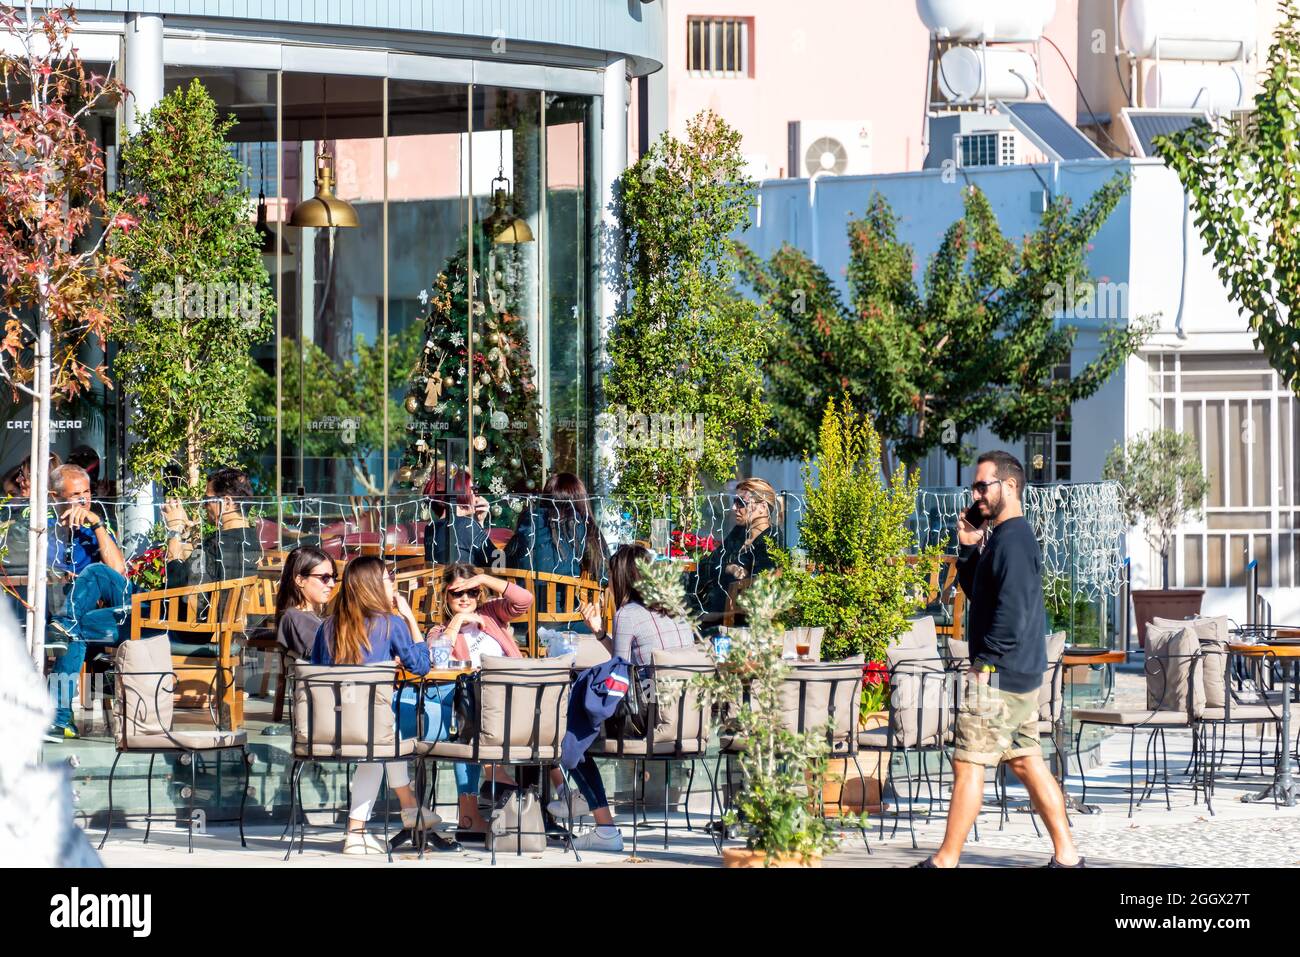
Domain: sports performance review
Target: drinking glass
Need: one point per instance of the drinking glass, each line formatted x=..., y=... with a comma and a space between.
x=659, y=534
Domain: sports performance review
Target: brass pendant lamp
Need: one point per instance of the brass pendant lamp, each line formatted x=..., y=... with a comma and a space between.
x=324, y=209
x=500, y=225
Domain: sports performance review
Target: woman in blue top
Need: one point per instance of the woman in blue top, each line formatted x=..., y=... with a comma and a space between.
x=372, y=624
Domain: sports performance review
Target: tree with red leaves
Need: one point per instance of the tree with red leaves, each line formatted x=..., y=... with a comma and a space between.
x=60, y=286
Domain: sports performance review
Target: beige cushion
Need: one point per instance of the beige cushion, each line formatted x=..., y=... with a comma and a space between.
x=589, y=653
x=688, y=716
x=197, y=740
x=1049, y=695
x=453, y=751
x=1172, y=656
x=344, y=711
x=811, y=689
x=1213, y=635
x=921, y=634
x=959, y=652
x=500, y=686
x=1162, y=719
x=1244, y=712
x=919, y=692
x=145, y=683
x=637, y=747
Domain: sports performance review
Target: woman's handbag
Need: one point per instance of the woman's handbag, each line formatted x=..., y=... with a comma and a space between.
x=517, y=825
x=465, y=704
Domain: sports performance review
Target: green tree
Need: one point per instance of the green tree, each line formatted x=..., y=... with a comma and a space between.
x=975, y=345
x=685, y=347
x=199, y=298
x=855, y=532
x=1244, y=184
x=1162, y=485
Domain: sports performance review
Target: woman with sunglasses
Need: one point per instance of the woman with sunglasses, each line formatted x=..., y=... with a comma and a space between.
x=306, y=584
x=744, y=551
x=372, y=624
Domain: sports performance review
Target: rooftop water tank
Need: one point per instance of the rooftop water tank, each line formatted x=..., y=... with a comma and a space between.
x=992, y=20
x=1217, y=88
x=1012, y=74
x=1190, y=29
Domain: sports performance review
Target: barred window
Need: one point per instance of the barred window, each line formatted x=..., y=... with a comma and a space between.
x=718, y=46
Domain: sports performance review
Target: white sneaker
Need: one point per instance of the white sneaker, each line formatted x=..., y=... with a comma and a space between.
x=593, y=841
x=559, y=808
x=363, y=842
x=411, y=814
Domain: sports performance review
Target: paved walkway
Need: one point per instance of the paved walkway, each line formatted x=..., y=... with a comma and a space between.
x=1184, y=835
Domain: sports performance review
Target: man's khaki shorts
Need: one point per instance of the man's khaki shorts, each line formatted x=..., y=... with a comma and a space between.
x=995, y=725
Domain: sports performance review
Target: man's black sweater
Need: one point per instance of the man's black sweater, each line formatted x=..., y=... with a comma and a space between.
x=1008, y=620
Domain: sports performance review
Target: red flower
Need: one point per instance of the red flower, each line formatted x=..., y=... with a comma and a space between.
x=875, y=673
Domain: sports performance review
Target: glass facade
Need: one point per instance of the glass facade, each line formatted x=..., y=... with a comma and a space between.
x=418, y=161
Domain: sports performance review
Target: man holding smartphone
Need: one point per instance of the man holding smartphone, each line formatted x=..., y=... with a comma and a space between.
x=1000, y=568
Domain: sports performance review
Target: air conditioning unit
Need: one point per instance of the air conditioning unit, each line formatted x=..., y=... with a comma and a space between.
x=986, y=148
x=840, y=148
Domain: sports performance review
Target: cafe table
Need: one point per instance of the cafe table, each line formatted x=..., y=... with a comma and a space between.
x=1283, y=787
x=1077, y=657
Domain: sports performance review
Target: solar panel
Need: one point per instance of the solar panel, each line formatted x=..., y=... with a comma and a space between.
x=1148, y=124
x=1050, y=131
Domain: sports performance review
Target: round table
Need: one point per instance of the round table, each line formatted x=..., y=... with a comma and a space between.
x=1283, y=787
x=1077, y=659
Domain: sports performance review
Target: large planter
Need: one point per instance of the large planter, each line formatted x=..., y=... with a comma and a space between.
x=741, y=857
x=1175, y=603
x=846, y=791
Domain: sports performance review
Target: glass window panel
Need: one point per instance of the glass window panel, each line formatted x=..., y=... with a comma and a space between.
x=334, y=393
x=1235, y=362
x=1239, y=520
x=1214, y=426
x=1285, y=559
x=428, y=126
x=1237, y=453
x=1227, y=383
x=1238, y=555
x=1192, y=424
x=1169, y=411
x=1285, y=464
x=1217, y=565
x=1262, y=552
x=1260, y=433
x=1193, y=572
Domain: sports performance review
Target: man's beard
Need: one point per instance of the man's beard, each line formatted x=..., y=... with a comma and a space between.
x=995, y=510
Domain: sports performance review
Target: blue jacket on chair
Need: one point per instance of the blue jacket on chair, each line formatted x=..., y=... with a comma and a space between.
x=594, y=698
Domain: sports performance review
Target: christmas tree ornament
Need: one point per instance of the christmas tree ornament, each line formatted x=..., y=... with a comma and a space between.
x=412, y=404
x=514, y=462
x=421, y=445
x=496, y=511
x=480, y=443
x=404, y=475
x=500, y=421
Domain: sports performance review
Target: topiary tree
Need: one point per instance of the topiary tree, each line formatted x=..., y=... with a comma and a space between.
x=975, y=345
x=1162, y=485
x=855, y=531
x=685, y=346
x=200, y=298
x=1244, y=184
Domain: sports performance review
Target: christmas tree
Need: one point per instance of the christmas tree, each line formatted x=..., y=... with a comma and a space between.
x=499, y=388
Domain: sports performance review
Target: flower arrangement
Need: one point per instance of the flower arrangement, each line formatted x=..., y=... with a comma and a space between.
x=875, y=688
x=688, y=545
x=148, y=570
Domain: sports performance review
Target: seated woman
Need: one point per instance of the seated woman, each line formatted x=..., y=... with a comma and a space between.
x=372, y=624
x=744, y=551
x=477, y=629
x=458, y=532
x=558, y=535
x=306, y=584
x=638, y=629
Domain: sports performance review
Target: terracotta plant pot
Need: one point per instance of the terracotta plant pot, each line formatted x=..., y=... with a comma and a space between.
x=1176, y=603
x=740, y=857
x=848, y=792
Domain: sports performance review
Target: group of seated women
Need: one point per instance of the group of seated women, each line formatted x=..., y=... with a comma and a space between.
x=370, y=622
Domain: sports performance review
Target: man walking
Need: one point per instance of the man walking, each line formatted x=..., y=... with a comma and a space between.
x=1001, y=571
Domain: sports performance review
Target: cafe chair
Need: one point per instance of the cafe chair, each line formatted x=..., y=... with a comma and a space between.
x=523, y=714
x=677, y=728
x=143, y=723
x=1175, y=689
x=342, y=714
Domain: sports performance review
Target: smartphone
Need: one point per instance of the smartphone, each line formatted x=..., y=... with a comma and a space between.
x=974, y=517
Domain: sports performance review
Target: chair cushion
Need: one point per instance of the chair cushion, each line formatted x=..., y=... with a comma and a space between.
x=452, y=751
x=636, y=747
x=959, y=651
x=344, y=711
x=589, y=653
x=1213, y=636
x=1049, y=695
x=1163, y=719
x=143, y=705
x=546, y=690
x=683, y=716
x=194, y=649
x=1172, y=657
x=815, y=695
x=918, y=688
x=1244, y=713
x=196, y=740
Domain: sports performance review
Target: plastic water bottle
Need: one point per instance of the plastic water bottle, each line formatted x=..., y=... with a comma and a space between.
x=721, y=646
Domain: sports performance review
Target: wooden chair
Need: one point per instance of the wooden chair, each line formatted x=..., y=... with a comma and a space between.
x=560, y=595
x=207, y=614
x=732, y=609
x=946, y=594
x=258, y=616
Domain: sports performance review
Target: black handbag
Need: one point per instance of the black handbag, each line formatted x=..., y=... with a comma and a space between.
x=465, y=704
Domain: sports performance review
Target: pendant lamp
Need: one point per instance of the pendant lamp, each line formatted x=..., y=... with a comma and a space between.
x=500, y=225
x=324, y=209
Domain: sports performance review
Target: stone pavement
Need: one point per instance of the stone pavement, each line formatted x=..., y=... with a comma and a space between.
x=1182, y=835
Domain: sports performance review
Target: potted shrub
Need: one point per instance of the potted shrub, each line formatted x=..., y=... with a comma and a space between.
x=855, y=581
x=781, y=770
x=1162, y=485
x=857, y=788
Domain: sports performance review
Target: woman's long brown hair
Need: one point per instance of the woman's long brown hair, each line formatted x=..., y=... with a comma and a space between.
x=451, y=574
x=361, y=596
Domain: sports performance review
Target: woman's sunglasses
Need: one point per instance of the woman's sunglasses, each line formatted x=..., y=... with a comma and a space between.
x=326, y=578
x=739, y=502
